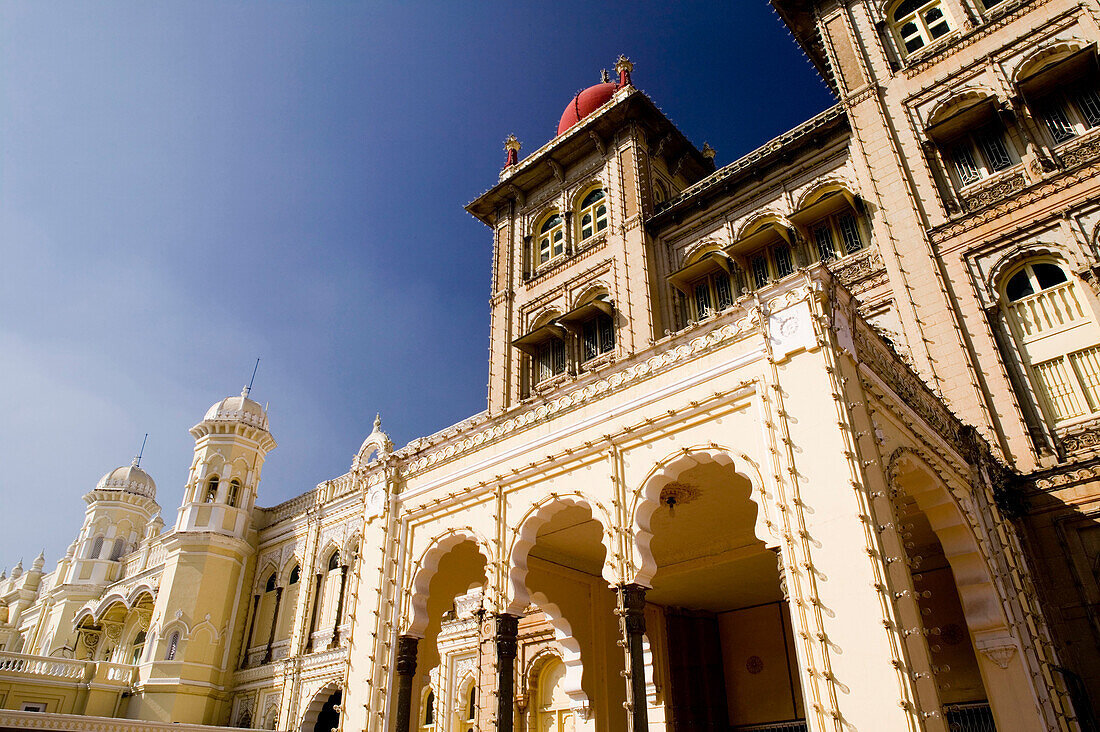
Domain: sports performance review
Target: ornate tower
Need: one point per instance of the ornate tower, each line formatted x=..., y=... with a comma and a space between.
x=574, y=286
x=199, y=612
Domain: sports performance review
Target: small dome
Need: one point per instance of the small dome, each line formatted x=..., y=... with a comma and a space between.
x=238, y=409
x=130, y=479
x=585, y=103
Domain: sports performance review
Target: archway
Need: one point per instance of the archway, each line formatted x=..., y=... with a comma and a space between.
x=976, y=659
x=328, y=719
x=717, y=620
x=446, y=597
x=559, y=575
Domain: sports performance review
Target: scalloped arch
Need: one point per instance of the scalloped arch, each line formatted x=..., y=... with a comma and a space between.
x=973, y=579
x=526, y=534
x=570, y=656
x=317, y=702
x=647, y=500
x=415, y=617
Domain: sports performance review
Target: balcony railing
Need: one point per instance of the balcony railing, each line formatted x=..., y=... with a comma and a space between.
x=54, y=668
x=1048, y=311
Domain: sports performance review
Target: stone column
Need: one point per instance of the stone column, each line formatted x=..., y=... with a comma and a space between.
x=313, y=613
x=632, y=619
x=507, y=630
x=274, y=622
x=406, y=669
x=251, y=630
x=339, y=607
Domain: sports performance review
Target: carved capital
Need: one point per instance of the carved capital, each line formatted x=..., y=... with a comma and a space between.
x=406, y=655
x=507, y=630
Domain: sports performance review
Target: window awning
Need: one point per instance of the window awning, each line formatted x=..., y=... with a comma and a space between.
x=590, y=309
x=682, y=278
x=969, y=115
x=1076, y=65
x=763, y=236
x=831, y=202
x=530, y=342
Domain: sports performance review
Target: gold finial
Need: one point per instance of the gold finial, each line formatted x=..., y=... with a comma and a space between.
x=511, y=147
x=708, y=151
x=623, y=67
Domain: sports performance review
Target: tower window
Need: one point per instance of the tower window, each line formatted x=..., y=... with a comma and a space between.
x=551, y=238
x=1058, y=338
x=173, y=644
x=295, y=575
x=234, y=492
x=97, y=548
x=593, y=214
x=211, y=494
x=919, y=22
x=598, y=335
x=270, y=586
x=549, y=360
x=334, y=561
x=980, y=154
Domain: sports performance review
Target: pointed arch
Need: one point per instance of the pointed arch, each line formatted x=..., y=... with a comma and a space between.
x=647, y=498
x=415, y=616
x=526, y=533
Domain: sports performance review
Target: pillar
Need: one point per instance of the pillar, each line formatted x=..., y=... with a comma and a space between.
x=274, y=622
x=632, y=618
x=406, y=669
x=251, y=630
x=507, y=630
x=339, y=606
x=313, y=612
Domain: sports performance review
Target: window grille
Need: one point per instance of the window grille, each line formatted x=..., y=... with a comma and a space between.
x=969, y=717
x=965, y=166
x=722, y=290
x=1086, y=366
x=823, y=237
x=598, y=336
x=993, y=147
x=783, y=264
x=760, y=270
x=1088, y=101
x=1058, y=124
x=702, y=300
x=1056, y=384
x=849, y=230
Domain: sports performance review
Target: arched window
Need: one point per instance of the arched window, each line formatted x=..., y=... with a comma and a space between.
x=211, y=489
x=551, y=238
x=295, y=575
x=593, y=214
x=119, y=547
x=234, y=492
x=270, y=586
x=1063, y=91
x=173, y=643
x=554, y=707
x=919, y=22
x=427, y=712
x=137, y=647
x=334, y=561
x=97, y=548
x=1058, y=337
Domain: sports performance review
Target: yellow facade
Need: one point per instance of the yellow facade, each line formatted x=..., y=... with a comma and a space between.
x=805, y=442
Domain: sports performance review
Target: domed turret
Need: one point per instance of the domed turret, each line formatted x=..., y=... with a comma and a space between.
x=130, y=479
x=589, y=100
x=238, y=409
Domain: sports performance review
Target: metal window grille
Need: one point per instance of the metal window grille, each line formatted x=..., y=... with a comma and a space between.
x=993, y=147
x=796, y=725
x=1058, y=124
x=965, y=166
x=760, y=270
x=702, y=300
x=722, y=290
x=823, y=237
x=969, y=718
x=1088, y=101
x=849, y=231
x=783, y=263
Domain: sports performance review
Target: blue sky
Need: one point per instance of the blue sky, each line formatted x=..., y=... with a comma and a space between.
x=185, y=186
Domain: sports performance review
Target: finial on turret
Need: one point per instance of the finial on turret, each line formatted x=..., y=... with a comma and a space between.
x=39, y=561
x=708, y=151
x=511, y=147
x=137, y=458
x=377, y=421
x=604, y=76
x=623, y=67
x=17, y=570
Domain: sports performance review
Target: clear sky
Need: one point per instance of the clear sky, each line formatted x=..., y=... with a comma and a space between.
x=185, y=186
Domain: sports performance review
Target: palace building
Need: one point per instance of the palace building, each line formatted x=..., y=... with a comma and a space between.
x=810, y=441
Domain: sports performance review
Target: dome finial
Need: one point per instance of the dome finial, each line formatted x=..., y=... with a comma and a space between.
x=623, y=67
x=511, y=146
x=377, y=421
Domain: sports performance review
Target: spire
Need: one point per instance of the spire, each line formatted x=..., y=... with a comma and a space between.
x=623, y=67
x=511, y=146
x=17, y=570
x=605, y=77
x=39, y=561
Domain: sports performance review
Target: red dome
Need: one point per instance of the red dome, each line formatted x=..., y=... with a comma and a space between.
x=585, y=103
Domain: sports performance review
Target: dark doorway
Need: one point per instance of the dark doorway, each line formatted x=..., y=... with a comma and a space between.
x=329, y=717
